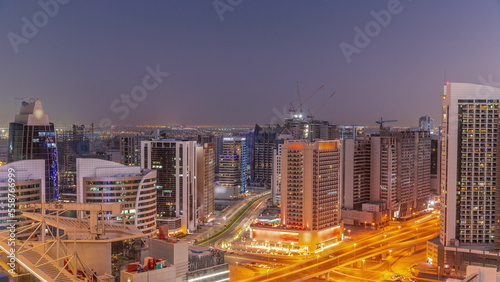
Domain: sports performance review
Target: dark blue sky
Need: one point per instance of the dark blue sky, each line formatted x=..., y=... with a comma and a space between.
x=238, y=70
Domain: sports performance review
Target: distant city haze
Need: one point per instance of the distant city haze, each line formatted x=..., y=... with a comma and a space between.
x=89, y=60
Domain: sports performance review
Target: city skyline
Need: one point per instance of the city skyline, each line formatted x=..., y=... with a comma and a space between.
x=206, y=64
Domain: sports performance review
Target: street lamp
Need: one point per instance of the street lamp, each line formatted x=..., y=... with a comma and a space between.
x=355, y=250
x=349, y=231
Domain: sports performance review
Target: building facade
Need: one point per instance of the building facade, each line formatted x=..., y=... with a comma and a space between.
x=205, y=180
x=101, y=181
x=233, y=163
x=390, y=171
x=310, y=186
x=276, y=177
x=302, y=128
x=24, y=181
x=357, y=180
x=469, y=166
x=176, y=164
x=263, y=146
x=130, y=149
x=310, y=199
x=426, y=123
x=469, y=171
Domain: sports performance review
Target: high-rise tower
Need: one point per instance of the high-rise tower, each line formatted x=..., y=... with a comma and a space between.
x=205, y=155
x=310, y=186
x=32, y=136
x=263, y=145
x=469, y=165
x=233, y=163
x=469, y=171
x=176, y=164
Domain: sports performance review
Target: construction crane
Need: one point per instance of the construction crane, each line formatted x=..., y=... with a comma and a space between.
x=381, y=122
x=292, y=109
x=312, y=115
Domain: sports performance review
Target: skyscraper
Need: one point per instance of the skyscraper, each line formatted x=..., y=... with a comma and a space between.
x=130, y=149
x=205, y=180
x=71, y=144
x=435, y=164
x=389, y=172
x=32, y=136
x=426, y=123
x=264, y=145
x=176, y=164
x=469, y=166
x=276, y=177
x=233, y=163
x=469, y=172
x=310, y=186
x=310, y=199
x=357, y=172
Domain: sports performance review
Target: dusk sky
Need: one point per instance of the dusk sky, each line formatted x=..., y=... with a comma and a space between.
x=234, y=67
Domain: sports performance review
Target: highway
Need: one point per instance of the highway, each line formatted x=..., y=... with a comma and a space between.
x=224, y=221
x=383, y=244
x=237, y=221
